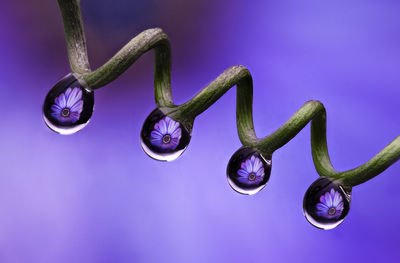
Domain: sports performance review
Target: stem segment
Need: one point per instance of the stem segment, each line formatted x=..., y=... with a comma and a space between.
x=236, y=75
x=74, y=36
x=150, y=39
x=314, y=111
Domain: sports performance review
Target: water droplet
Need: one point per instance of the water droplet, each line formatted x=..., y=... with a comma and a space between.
x=248, y=171
x=163, y=138
x=326, y=203
x=68, y=106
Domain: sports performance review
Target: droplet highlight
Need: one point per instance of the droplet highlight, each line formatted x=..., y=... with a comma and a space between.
x=68, y=106
x=326, y=203
x=162, y=138
x=248, y=171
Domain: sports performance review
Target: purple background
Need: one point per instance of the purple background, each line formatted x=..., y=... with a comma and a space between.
x=96, y=197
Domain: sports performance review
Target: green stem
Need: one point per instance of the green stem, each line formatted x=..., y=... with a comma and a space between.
x=290, y=128
x=236, y=75
x=314, y=111
x=74, y=36
x=150, y=39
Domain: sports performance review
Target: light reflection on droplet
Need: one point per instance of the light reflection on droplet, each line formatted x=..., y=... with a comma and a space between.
x=248, y=171
x=163, y=138
x=68, y=106
x=326, y=203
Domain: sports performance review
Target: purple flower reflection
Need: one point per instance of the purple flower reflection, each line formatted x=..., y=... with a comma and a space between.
x=251, y=171
x=331, y=205
x=68, y=106
x=166, y=134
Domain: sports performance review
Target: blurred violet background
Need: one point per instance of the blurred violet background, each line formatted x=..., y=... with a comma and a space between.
x=96, y=197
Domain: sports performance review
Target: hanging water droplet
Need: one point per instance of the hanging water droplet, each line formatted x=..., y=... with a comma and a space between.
x=248, y=171
x=326, y=203
x=68, y=106
x=163, y=138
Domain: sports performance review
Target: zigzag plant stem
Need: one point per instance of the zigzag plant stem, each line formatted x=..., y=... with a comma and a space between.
x=238, y=76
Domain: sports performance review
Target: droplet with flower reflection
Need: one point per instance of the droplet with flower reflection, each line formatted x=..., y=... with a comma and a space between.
x=326, y=203
x=248, y=171
x=163, y=138
x=68, y=106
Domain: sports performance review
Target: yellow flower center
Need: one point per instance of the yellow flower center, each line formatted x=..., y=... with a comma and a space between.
x=166, y=138
x=332, y=211
x=252, y=176
x=65, y=112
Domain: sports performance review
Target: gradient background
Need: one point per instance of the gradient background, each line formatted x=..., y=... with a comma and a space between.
x=96, y=197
